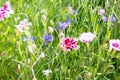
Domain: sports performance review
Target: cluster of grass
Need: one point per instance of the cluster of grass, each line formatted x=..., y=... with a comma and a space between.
x=93, y=62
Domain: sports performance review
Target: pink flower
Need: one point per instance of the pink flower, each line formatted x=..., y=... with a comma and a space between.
x=101, y=12
x=87, y=37
x=114, y=44
x=5, y=11
x=2, y=13
x=69, y=44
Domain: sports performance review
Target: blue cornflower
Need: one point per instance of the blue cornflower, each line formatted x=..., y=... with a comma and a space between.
x=47, y=38
x=63, y=25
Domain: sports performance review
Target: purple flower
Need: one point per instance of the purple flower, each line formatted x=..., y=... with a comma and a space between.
x=112, y=18
x=47, y=38
x=63, y=25
x=104, y=18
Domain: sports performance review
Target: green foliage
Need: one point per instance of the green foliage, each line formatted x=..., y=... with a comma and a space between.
x=87, y=63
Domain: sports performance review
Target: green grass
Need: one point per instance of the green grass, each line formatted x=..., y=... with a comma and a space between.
x=74, y=65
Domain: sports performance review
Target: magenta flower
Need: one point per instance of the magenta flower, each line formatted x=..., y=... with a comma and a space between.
x=69, y=43
x=5, y=11
x=87, y=37
x=1, y=14
x=114, y=44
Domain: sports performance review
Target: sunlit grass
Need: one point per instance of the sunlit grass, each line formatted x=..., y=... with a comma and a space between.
x=93, y=61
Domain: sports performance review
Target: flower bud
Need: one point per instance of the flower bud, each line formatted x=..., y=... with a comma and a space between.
x=88, y=75
x=43, y=18
x=50, y=29
x=51, y=22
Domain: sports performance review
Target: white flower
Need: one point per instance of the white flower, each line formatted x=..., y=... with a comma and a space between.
x=87, y=37
x=23, y=25
x=42, y=55
x=31, y=48
x=47, y=72
x=114, y=44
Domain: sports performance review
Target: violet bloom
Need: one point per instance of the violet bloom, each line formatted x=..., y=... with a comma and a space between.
x=47, y=38
x=87, y=37
x=114, y=44
x=112, y=18
x=104, y=18
x=64, y=25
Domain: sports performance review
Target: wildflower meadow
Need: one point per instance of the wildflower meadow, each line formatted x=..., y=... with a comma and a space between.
x=59, y=39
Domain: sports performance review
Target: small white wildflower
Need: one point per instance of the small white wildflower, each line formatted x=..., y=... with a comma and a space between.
x=31, y=48
x=42, y=55
x=47, y=72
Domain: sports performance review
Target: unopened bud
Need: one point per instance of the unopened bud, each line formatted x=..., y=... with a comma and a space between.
x=43, y=18
x=50, y=29
x=87, y=75
x=3, y=53
x=51, y=22
x=61, y=35
x=29, y=61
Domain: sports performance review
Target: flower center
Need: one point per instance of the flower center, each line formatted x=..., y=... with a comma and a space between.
x=115, y=45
